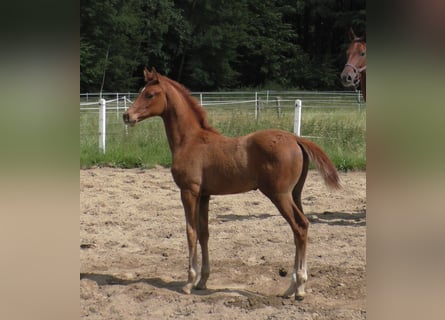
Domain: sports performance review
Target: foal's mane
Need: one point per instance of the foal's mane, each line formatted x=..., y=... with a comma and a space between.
x=200, y=113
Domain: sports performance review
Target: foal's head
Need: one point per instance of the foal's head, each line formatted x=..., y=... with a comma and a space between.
x=150, y=102
x=356, y=61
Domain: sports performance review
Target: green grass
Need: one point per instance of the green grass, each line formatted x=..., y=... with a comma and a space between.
x=145, y=145
x=340, y=132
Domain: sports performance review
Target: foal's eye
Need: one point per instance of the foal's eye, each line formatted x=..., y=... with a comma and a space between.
x=362, y=54
x=148, y=95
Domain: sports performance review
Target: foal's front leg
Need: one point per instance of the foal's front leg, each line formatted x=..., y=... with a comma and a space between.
x=190, y=203
x=203, y=236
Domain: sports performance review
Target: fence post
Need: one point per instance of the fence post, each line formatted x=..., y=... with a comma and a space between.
x=125, y=107
x=278, y=107
x=297, y=117
x=256, y=105
x=200, y=98
x=102, y=124
x=258, y=108
x=117, y=106
x=359, y=101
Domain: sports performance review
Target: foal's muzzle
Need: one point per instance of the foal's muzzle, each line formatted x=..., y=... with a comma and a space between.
x=126, y=117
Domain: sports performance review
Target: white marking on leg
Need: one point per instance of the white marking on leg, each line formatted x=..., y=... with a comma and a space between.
x=293, y=285
x=301, y=276
x=192, y=274
x=301, y=281
x=194, y=268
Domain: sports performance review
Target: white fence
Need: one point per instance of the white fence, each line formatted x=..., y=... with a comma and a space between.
x=101, y=107
x=256, y=101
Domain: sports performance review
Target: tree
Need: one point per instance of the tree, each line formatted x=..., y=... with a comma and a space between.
x=216, y=29
x=217, y=44
x=110, y=30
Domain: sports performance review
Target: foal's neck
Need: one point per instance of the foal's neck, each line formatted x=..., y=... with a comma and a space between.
x=180, y=123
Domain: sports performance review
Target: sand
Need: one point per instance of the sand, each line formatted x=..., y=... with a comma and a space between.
x=133, y=251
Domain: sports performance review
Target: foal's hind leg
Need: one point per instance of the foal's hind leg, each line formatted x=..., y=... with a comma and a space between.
x=299, y=274
x=299, y=224
x=203, y=237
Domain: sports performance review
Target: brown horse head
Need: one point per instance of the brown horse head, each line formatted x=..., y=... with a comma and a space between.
x=150, y=102
x=355, y=61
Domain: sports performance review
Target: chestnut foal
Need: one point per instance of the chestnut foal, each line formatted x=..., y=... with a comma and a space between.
x=206, y=163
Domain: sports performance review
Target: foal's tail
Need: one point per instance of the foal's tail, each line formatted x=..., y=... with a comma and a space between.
x=322, y=162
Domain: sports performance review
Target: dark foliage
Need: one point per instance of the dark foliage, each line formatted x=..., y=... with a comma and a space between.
x=217, y=44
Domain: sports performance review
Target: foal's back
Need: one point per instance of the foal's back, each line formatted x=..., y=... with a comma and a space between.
x=234, y=165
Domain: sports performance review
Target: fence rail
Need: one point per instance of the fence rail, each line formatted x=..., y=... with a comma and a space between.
x=106, y=103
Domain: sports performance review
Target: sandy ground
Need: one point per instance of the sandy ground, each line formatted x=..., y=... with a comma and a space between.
x=133, y=251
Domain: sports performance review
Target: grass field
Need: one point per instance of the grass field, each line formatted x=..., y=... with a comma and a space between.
x=339, y=130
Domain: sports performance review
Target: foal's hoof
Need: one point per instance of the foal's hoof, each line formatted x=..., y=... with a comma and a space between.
x=299, y=297
x=187, y=289
x=201, y=287
x=286, y=296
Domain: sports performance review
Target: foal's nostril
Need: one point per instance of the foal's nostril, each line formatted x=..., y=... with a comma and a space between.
x=126, y=117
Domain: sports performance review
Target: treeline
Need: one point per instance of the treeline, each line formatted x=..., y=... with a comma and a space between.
x=217, y=44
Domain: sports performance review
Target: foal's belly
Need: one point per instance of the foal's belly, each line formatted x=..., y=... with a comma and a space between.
x=219, y=184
